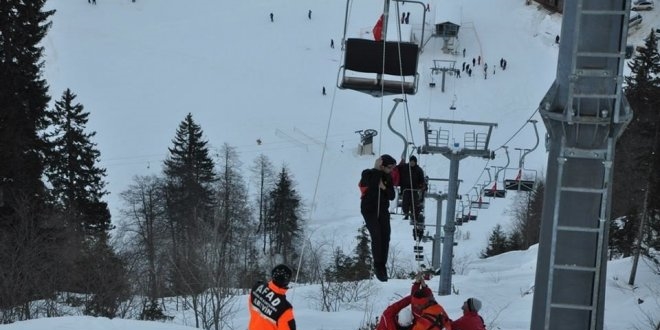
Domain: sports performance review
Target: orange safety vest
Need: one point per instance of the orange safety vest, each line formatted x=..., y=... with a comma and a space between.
x=432, y=317
x=269, y=309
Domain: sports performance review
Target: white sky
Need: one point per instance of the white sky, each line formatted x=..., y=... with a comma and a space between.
x=139, y=68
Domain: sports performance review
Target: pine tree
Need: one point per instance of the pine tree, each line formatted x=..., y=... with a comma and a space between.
x=527, y=211
x=622, y=236
x=72, y=167
x=497, y=243
x=189, y=177
x=284, y=220
x=362, y=259
x=633, y=170
x=642, y=85
x=23, y=99
x=28, y=263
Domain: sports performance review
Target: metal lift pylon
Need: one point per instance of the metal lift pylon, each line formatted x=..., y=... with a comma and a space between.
x=585, y=112
x=475, y=145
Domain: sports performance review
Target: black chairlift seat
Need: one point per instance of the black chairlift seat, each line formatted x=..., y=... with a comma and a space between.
x=458, y=221
x=469, y=217
x=495, y=193
x=366, y=56
x=479, y=204
x=521, y=185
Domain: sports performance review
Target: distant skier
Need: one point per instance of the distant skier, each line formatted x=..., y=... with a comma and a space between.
x=557, y=39
x=469, y=71
x=332, y=43
x=479, y=60
x=408, y=18
x=309, y=14
x=467, y=67
x=463, y=69
x=403, y=18
x=504, y=65
x=428, y=7
x=463, y=52
x=323, y=90
x=474, y=62
x=272, y=17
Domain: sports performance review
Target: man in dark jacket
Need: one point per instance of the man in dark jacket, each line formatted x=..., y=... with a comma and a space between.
x=378, y=191
x=411, y=180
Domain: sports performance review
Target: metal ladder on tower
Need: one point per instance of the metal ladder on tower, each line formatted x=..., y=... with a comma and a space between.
x=568, y=154
x=576, y=117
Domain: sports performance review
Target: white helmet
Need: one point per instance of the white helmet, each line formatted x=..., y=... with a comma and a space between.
x=405, y=317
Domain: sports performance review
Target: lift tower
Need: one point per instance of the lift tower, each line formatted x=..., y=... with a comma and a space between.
x=584, y=112
x=475, y=144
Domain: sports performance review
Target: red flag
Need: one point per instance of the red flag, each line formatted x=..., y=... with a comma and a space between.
x=519, y=175
x=378, y=29
x=494, y=189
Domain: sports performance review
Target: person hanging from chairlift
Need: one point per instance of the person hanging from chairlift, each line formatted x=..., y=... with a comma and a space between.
x=411, y=180
x=377, y=192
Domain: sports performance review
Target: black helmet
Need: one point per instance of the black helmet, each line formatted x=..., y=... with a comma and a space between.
x=281, y=275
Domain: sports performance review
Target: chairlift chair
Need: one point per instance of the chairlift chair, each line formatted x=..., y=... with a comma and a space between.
x=379, y=67
x=519, y=183
x=494, y=192
x=479, y=203
x=366, y=70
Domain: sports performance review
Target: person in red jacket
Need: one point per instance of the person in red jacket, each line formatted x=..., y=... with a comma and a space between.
x=471, y=320
x=396, y=316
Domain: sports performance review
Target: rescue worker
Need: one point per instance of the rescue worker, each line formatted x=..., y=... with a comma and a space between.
x=269, y=309
x=396, y=316
x=427, y=313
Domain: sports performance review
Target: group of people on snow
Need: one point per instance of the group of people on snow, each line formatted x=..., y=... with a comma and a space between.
x=270, y=310
x=420, y=311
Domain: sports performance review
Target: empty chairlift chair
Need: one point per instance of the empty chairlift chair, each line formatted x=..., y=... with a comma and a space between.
x=366, y=70
x=519, y=183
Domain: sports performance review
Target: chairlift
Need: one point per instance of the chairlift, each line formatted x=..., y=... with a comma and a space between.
x=478, y=202
x=493, y=191
x=379, y=67
x=522, y=182
x=519, y=183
